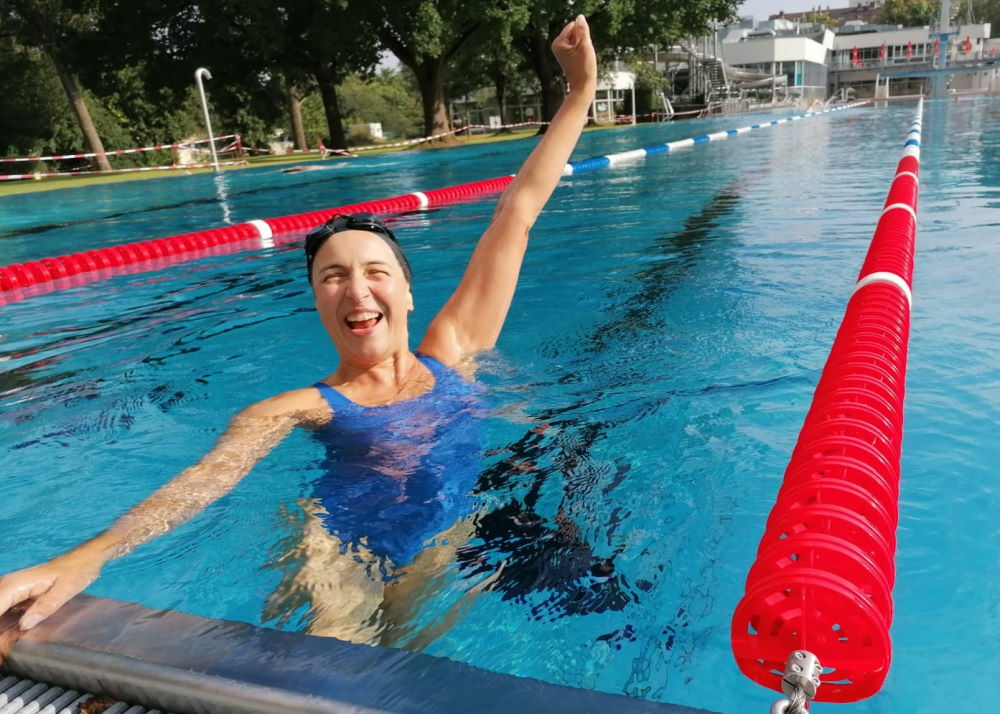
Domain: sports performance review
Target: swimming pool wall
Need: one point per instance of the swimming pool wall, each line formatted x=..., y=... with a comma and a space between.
x=171, y=660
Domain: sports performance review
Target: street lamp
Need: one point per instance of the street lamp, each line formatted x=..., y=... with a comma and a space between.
x=198, y=74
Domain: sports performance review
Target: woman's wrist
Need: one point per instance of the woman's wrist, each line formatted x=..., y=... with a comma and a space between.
x=92, y=554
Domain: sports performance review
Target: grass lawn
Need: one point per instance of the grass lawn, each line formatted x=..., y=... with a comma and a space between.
x=10, y=188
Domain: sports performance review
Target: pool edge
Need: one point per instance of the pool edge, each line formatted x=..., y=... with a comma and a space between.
x=174, y=661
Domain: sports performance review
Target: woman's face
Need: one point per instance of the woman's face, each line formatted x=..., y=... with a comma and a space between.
x=362, y=297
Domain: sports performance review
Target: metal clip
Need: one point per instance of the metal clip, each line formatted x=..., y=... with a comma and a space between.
x=802, y=670
x=801, y=680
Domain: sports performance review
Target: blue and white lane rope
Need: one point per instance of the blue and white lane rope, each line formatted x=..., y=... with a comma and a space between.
x=610, y=160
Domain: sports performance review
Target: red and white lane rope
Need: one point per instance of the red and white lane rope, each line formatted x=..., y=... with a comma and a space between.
x=39, y=276
x=821, y=585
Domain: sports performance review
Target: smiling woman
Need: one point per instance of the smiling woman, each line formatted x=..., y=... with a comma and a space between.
x=401, y=425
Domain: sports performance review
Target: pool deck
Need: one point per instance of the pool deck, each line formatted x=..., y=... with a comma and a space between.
x=171, y=660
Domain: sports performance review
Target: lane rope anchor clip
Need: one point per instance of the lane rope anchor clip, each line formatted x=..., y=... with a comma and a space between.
x=800, y=683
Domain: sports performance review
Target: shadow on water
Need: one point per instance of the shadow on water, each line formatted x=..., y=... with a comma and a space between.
x=535, y=555
x=680, y=251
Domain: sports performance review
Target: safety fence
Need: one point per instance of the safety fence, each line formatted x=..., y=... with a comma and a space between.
x=235, y=147
x=467, y=128
x=22, y=280
x=820, y=589
x=230, y=148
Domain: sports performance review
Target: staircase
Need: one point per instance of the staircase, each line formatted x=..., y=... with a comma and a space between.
x=715, y=71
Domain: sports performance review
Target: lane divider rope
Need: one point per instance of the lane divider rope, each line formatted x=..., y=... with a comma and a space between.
x=821, y=583
x=65, y=271
x=601, y=162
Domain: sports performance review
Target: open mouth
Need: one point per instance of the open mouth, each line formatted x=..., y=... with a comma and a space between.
x=363, y=320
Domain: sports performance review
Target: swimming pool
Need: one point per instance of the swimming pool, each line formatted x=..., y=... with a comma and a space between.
x=670, y=324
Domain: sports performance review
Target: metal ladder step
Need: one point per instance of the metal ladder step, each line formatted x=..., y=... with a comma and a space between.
x=24, y=696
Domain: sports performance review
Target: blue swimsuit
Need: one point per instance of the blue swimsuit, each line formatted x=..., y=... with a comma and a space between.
x=398, y=475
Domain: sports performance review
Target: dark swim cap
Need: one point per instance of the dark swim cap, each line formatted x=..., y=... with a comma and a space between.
x=354, y=222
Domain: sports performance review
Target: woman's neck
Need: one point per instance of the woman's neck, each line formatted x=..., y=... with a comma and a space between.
x=400, y=376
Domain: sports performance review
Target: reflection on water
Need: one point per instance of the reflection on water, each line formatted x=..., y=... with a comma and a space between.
x=222, y=192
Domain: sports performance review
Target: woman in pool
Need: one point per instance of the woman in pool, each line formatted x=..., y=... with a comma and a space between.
x=361, y=283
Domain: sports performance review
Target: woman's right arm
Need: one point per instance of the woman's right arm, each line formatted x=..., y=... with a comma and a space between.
x=249, y=438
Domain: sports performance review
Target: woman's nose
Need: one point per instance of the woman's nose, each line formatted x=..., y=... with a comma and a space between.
x=357, y=287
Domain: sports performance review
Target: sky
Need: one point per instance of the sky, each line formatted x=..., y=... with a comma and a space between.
x=760, y=9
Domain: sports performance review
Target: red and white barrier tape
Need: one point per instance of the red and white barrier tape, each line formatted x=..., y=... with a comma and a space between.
x=85, y=172
x=117, y=152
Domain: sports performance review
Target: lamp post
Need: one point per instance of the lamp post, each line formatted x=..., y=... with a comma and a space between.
x=198, y=74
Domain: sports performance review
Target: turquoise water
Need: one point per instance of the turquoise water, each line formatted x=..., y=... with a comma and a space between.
x=668, y=330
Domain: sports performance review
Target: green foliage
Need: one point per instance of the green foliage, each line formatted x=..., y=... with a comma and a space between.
x=821, y=18
x=140, y=89
x=385, y=99
x=908, y=13
x=978, y=11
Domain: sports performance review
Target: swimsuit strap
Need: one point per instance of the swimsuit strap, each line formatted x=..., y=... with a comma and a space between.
x=335, y=399
x=436, y=368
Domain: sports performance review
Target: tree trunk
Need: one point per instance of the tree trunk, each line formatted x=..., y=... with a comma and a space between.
x=331, y=105
x=79, y=107
x=535, y=48
x=430, y=78
x=46, y=34
x=295, y=115
x=500, y=85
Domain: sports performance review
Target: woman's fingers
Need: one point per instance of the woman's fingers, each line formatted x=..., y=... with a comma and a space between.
x=48, y=585
x=18, y=587
x=571, y=35
x=61, y=592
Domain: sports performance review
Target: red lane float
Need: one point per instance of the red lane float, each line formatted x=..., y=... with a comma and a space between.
x=103, y=262
x=822, y=580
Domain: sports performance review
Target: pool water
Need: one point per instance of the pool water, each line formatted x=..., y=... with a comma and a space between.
x=670, y=325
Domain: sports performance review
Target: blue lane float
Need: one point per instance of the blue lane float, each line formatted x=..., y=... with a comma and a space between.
x=611, y=160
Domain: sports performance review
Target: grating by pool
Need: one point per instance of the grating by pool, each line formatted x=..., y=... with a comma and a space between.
x=670, y=324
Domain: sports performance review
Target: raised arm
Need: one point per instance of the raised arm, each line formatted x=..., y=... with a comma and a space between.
x=250, y=436
x=472, y=318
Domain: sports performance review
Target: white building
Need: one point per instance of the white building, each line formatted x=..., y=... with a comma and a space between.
x=615, y=94
x=783, y=48
x=817, y=62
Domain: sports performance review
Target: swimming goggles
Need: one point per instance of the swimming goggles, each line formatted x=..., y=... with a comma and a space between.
x=351, y=222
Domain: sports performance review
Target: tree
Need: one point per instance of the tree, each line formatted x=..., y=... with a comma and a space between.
x=616, y=25
x=491, y=62
x=822, y=18
x=262, y=55
x=977, y=11
x=386, y=99
x=909, y=13
x=426, y=37
x=49, y=26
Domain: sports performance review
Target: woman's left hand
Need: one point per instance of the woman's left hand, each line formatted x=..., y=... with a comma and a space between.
x=575, y=53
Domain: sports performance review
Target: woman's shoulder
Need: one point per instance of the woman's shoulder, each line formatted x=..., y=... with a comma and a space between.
x=306, y=404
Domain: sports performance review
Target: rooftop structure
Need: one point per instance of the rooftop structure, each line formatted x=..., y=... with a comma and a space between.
x=863, y=11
